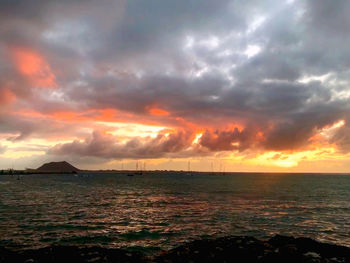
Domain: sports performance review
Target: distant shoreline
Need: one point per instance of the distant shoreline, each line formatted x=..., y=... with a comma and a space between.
x=226, y=249
x=63, y=167
x=24, y=172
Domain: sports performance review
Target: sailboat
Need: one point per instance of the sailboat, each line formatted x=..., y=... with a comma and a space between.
x=137, y=172
x=131, y=174
x=189, y=168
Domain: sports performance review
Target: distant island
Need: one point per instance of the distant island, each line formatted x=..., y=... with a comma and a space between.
x=63, y=167
x=47, y=168
x=57, y=167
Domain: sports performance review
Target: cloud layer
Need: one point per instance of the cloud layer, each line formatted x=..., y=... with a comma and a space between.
x=237, y=75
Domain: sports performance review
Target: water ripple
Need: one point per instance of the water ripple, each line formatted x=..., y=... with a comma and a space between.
x=160, y=211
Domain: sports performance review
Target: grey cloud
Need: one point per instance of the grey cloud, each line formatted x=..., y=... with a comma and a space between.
x=229, y=140
x=109, y=147
x=342, y=139
x=329, y=17
x=18, y=128
x=136, y=59
x=342, y=136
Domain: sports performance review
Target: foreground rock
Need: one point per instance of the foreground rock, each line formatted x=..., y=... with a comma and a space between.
x=226, y=249
x=67, y=254
x=247, y=249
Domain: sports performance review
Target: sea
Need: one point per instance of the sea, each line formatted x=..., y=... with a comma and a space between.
x=161, y=210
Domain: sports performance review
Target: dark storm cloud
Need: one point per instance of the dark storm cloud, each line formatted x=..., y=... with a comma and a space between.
x=132, y=94
x=212, y=64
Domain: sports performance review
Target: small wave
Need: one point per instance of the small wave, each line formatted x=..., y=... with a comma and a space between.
x=60, y=227
x=98, y=239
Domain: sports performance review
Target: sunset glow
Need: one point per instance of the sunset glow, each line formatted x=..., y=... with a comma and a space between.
x=246, y=92
x=158, y=112
x=34, y=67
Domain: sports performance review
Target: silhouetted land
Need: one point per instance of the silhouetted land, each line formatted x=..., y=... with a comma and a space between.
x=227, y=249
x=62, y=167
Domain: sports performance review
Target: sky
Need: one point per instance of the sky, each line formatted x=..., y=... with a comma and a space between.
x=225, y=85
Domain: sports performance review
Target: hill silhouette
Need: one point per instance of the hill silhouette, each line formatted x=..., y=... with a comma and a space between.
x=58, y=167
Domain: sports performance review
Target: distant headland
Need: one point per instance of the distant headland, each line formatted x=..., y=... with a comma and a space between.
x=57, y=167
x=63, y=167
x=47, y=168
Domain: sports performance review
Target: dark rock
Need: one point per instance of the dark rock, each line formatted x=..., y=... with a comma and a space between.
x=246, y=249
x=226, y=249
x=57, y=254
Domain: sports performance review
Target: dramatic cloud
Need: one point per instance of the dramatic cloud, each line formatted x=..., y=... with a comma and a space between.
x=34, y=67
x=232, y=78
x=108, y=146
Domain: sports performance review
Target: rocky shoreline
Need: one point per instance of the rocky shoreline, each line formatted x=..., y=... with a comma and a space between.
x=225, y=249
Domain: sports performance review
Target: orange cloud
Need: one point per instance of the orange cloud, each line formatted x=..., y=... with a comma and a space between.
x=6, y=96
x=105, y=115
x=157, y=111
x=88, y=115
x=33, y=66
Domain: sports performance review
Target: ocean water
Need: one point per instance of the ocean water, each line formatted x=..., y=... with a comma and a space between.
x=158, y=211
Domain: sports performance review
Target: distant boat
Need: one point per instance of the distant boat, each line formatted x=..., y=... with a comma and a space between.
x=189, y=169
x=137, y=171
